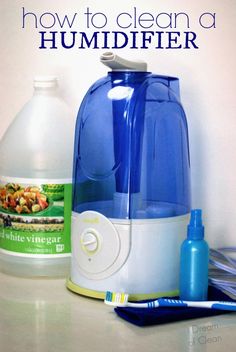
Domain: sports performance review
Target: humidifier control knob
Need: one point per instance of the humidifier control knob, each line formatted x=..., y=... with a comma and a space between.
x=90, y=241
x=96, y=245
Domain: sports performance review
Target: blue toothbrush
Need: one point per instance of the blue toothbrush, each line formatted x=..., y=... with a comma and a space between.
x=121, y=300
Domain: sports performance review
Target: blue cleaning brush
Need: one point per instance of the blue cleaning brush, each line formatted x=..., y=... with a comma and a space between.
x=121, y=300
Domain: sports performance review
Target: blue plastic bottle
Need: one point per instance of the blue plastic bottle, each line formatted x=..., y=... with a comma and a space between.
x=194, y=259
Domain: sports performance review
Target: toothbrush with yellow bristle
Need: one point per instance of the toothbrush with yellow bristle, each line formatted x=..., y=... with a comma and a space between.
x=121, y=300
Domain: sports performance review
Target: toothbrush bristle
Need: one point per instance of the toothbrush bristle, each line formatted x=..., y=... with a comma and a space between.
x=109, y=296
x=119, y=298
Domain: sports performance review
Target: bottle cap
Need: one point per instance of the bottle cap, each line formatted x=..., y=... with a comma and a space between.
x=195, y=227
x=45, y=82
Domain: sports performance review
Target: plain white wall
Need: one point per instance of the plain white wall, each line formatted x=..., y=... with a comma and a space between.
x=206, y=79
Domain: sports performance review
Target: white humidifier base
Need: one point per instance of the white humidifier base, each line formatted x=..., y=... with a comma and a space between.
x=139, y=257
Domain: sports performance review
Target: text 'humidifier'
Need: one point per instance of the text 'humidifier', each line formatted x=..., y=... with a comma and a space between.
x=131, y=184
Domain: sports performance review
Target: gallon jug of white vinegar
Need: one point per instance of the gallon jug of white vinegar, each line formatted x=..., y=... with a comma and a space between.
x=35, y=186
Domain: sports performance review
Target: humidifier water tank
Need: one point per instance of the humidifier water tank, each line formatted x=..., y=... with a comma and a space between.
x=131, y=184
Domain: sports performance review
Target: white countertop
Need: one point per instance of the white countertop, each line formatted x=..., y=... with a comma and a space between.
x=42, y=315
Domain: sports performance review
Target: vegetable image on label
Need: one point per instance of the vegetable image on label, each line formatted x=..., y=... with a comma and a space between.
x=15, y=199
x=35, y=218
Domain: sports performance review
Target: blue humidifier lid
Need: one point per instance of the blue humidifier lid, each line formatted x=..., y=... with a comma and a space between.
x=131, y=145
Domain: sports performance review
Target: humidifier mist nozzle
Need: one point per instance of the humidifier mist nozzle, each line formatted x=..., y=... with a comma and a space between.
x=117, y=63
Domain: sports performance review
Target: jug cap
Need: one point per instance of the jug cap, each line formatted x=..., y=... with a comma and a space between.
x=117, y=63
x=45, y=81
